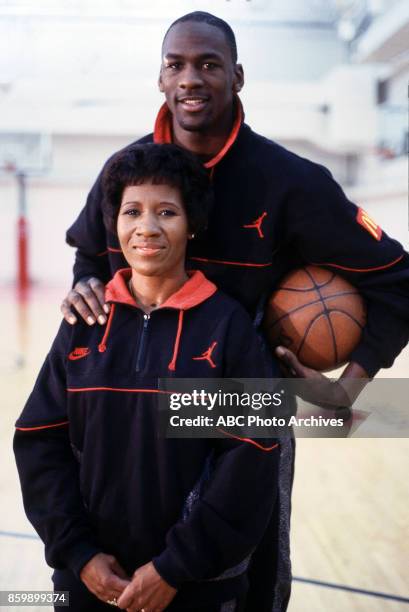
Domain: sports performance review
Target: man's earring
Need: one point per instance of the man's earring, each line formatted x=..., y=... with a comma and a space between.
x=191, y=236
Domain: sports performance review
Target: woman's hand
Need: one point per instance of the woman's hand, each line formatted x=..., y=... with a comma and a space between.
x=147, y=591
x=104, y=577
x=88, y=299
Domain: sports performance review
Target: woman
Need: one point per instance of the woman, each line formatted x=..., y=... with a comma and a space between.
x=129, y=518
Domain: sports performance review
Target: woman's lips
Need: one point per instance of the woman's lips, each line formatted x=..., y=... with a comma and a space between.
x=147, y=251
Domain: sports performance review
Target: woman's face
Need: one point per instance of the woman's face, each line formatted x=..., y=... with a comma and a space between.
x=153, y=229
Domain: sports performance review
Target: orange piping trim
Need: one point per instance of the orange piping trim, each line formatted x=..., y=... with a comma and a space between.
x=71, y=390
x=102, y=347
x=392, y=263
x=172, y=364
x=233, y=263
x=42, y=426
x=231, y=139
x=103, y=253
x=250, y=441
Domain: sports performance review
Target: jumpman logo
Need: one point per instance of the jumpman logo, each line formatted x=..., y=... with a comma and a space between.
x=257, y=224
x=207, y=355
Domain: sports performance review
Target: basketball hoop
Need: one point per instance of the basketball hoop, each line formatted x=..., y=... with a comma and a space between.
x=23, y=155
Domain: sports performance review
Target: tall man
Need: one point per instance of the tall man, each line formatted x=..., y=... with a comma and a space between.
x=273, y=211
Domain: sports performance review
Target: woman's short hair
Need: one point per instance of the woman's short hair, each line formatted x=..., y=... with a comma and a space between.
x=161, y=164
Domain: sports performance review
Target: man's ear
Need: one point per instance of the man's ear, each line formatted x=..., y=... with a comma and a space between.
x=238, y=80
x=160, y=84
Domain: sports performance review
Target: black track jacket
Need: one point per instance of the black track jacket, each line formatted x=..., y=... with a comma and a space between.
x=95, y=474
x=275, y=211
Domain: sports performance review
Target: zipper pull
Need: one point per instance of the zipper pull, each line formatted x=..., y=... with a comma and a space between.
x=142, y=342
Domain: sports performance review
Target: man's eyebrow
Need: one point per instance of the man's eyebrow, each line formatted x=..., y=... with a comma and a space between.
x=202, y=56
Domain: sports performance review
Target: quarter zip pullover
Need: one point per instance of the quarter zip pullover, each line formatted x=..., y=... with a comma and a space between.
x=97, y=477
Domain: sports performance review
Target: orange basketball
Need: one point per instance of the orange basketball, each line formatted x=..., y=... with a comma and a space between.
x=316, y=314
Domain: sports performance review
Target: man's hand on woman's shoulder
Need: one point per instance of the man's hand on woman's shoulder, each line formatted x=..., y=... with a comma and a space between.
x=87, y=299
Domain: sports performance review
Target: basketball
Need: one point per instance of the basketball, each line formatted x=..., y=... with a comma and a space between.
x=318, y=315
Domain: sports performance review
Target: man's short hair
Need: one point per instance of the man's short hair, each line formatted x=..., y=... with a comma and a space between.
x=161, y=164
x=203, y=17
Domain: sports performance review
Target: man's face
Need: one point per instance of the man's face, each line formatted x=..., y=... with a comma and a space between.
x=198, y=77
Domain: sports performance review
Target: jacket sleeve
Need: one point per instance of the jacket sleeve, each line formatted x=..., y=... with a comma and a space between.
x=228, y=521
x=89, y=235
x=328, y=230
x=48, y=470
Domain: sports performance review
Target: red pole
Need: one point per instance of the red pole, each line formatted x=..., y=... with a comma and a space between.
x=23, y=280
x=22, y=251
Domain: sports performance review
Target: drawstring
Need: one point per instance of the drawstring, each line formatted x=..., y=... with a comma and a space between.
x=102, y=347
x=172, y=364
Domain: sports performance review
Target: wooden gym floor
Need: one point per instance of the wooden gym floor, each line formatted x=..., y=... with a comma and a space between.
x=350, y=525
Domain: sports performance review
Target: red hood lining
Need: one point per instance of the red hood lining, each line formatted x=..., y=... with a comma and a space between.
x=195, y=290
x=163, y=131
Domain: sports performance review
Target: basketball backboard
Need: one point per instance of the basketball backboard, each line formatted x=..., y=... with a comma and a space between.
x=25, y=153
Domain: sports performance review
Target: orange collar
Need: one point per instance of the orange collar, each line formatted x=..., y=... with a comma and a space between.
x=163, y=131
x=196, y=290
